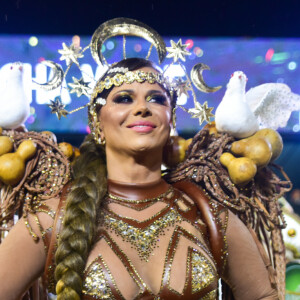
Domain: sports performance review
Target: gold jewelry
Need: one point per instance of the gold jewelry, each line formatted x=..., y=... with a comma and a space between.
x=129, y=27
x=154, y=199
x=94, y=125
x=144, y=240
x=128, y=77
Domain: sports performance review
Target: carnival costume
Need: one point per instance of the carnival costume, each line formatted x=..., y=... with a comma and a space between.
x=152, y=224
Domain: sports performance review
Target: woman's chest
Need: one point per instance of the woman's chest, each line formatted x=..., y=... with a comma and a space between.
x=164, y=256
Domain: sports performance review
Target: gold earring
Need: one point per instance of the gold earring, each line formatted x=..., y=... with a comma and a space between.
x=96, y=131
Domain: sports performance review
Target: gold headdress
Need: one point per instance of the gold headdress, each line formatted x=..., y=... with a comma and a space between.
x=128, y=27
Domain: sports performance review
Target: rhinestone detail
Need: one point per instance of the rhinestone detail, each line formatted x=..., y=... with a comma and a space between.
x=143, y=240
x=95, y=283
x=203, y=272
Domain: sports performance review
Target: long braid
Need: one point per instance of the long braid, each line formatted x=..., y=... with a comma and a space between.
x=79, y=223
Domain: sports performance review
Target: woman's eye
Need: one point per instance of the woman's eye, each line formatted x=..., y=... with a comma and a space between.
x=160, y=99
x=123, y=99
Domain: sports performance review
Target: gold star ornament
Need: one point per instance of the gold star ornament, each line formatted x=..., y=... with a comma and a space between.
x=177, y=51
x=182, y=87
x=58, y=108
x=70, y=54
x=80, y=87
x=201, y=112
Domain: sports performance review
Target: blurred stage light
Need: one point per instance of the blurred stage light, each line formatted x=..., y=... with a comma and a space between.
x=190, y=43
x=292, y=65
x=110, y=45
x=137, y=47
x=198, y=51
x=269, y=55
x=33, y=41
x=76, y=41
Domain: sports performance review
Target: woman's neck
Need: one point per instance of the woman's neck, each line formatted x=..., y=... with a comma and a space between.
x=141, y=168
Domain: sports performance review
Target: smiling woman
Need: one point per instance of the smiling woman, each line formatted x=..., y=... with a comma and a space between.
x=125, y=232
x=136, y=118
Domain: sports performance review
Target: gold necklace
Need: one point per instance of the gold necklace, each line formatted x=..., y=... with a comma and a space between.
x=154, y=199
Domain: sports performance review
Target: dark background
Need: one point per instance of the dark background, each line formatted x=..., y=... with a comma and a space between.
x=169, y=17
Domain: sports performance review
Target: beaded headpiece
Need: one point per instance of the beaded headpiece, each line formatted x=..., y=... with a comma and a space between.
x=127, y=27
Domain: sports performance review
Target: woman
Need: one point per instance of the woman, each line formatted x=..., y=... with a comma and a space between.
x=127, y=233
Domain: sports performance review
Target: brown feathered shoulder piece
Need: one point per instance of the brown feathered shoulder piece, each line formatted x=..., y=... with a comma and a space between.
x=255, y=203
x=33, y=168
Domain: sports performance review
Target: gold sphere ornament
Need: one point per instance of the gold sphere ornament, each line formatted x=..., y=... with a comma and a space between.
x=292, y=232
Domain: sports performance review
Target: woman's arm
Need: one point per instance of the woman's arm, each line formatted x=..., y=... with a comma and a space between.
x=245, y=272
x=22, y=260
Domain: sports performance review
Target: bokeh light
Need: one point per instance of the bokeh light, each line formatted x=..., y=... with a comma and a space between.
x=110, y=45
x=76, y=41
x=41, y=59
x=137, y=47
x=258, y=59
x=292, y=65
x=190, y=43
x=30, y=119
x=269, y=55
x=192, y=56
x=33, y=41
x=198, y=51
x=32, y=110
x=296, y=128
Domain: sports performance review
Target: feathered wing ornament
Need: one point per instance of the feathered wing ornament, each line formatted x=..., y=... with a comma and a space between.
x=272, y=104
x=255, y=204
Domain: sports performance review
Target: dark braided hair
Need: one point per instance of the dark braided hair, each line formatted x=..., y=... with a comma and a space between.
x=88, y=189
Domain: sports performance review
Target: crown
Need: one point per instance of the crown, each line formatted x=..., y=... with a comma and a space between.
x=128, y=27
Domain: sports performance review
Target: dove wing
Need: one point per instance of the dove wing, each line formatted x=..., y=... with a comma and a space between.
x=255, y=96
x=275, y=106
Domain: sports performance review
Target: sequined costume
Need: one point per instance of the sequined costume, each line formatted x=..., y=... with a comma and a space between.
x=152, y=243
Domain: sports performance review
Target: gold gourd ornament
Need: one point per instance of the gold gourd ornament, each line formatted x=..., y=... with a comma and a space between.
x=273, y=138
x=256, y=149
x=241, y=170
x=12, y=165
x=51, y=135
x=67, y=149
x=175, y=150
x=6, y=145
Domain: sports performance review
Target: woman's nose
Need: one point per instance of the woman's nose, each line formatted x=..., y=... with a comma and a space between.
x=142, y=109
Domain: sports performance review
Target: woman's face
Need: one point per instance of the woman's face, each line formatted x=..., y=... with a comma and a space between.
x=136, y=117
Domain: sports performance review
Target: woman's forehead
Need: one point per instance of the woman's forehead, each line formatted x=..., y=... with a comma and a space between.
x=138, y=87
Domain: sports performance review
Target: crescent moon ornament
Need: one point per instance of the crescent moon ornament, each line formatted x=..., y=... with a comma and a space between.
x=198, y=81
x=58, y=75
x=125, y=27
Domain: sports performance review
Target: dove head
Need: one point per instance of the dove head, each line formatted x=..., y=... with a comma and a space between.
x=237, y=81
x=12, y=70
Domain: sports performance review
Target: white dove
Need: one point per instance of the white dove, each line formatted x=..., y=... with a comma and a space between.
x=14, y=105
x=233, y=115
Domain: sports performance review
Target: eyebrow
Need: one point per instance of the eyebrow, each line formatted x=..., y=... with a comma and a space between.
x=150, y=92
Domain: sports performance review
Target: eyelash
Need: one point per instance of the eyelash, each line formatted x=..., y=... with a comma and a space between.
x=159, y=99
x=123, y=99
